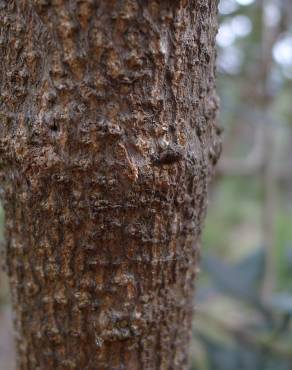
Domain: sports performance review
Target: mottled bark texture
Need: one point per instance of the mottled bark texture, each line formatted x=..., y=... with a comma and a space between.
x=107, y=141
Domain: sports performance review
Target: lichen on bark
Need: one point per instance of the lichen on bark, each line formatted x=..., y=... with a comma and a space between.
x=108, y=138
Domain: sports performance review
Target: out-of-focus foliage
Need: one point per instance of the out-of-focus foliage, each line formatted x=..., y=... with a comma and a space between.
x=236, y=327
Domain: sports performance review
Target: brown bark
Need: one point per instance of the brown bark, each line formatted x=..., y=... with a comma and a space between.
x=107, y=142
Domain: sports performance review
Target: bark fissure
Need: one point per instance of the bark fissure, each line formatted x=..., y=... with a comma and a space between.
x=108, y=139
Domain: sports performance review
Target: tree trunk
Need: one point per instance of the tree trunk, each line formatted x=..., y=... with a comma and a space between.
x=107, y=142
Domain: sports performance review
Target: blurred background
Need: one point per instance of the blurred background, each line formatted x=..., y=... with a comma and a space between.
x=244, y=293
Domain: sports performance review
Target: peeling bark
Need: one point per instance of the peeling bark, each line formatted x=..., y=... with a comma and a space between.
x=108, y=139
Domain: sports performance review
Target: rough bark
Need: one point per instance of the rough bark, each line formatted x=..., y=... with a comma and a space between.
x=107, y=142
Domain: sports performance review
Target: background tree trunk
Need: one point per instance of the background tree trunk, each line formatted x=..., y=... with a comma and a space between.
x=107, y=143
